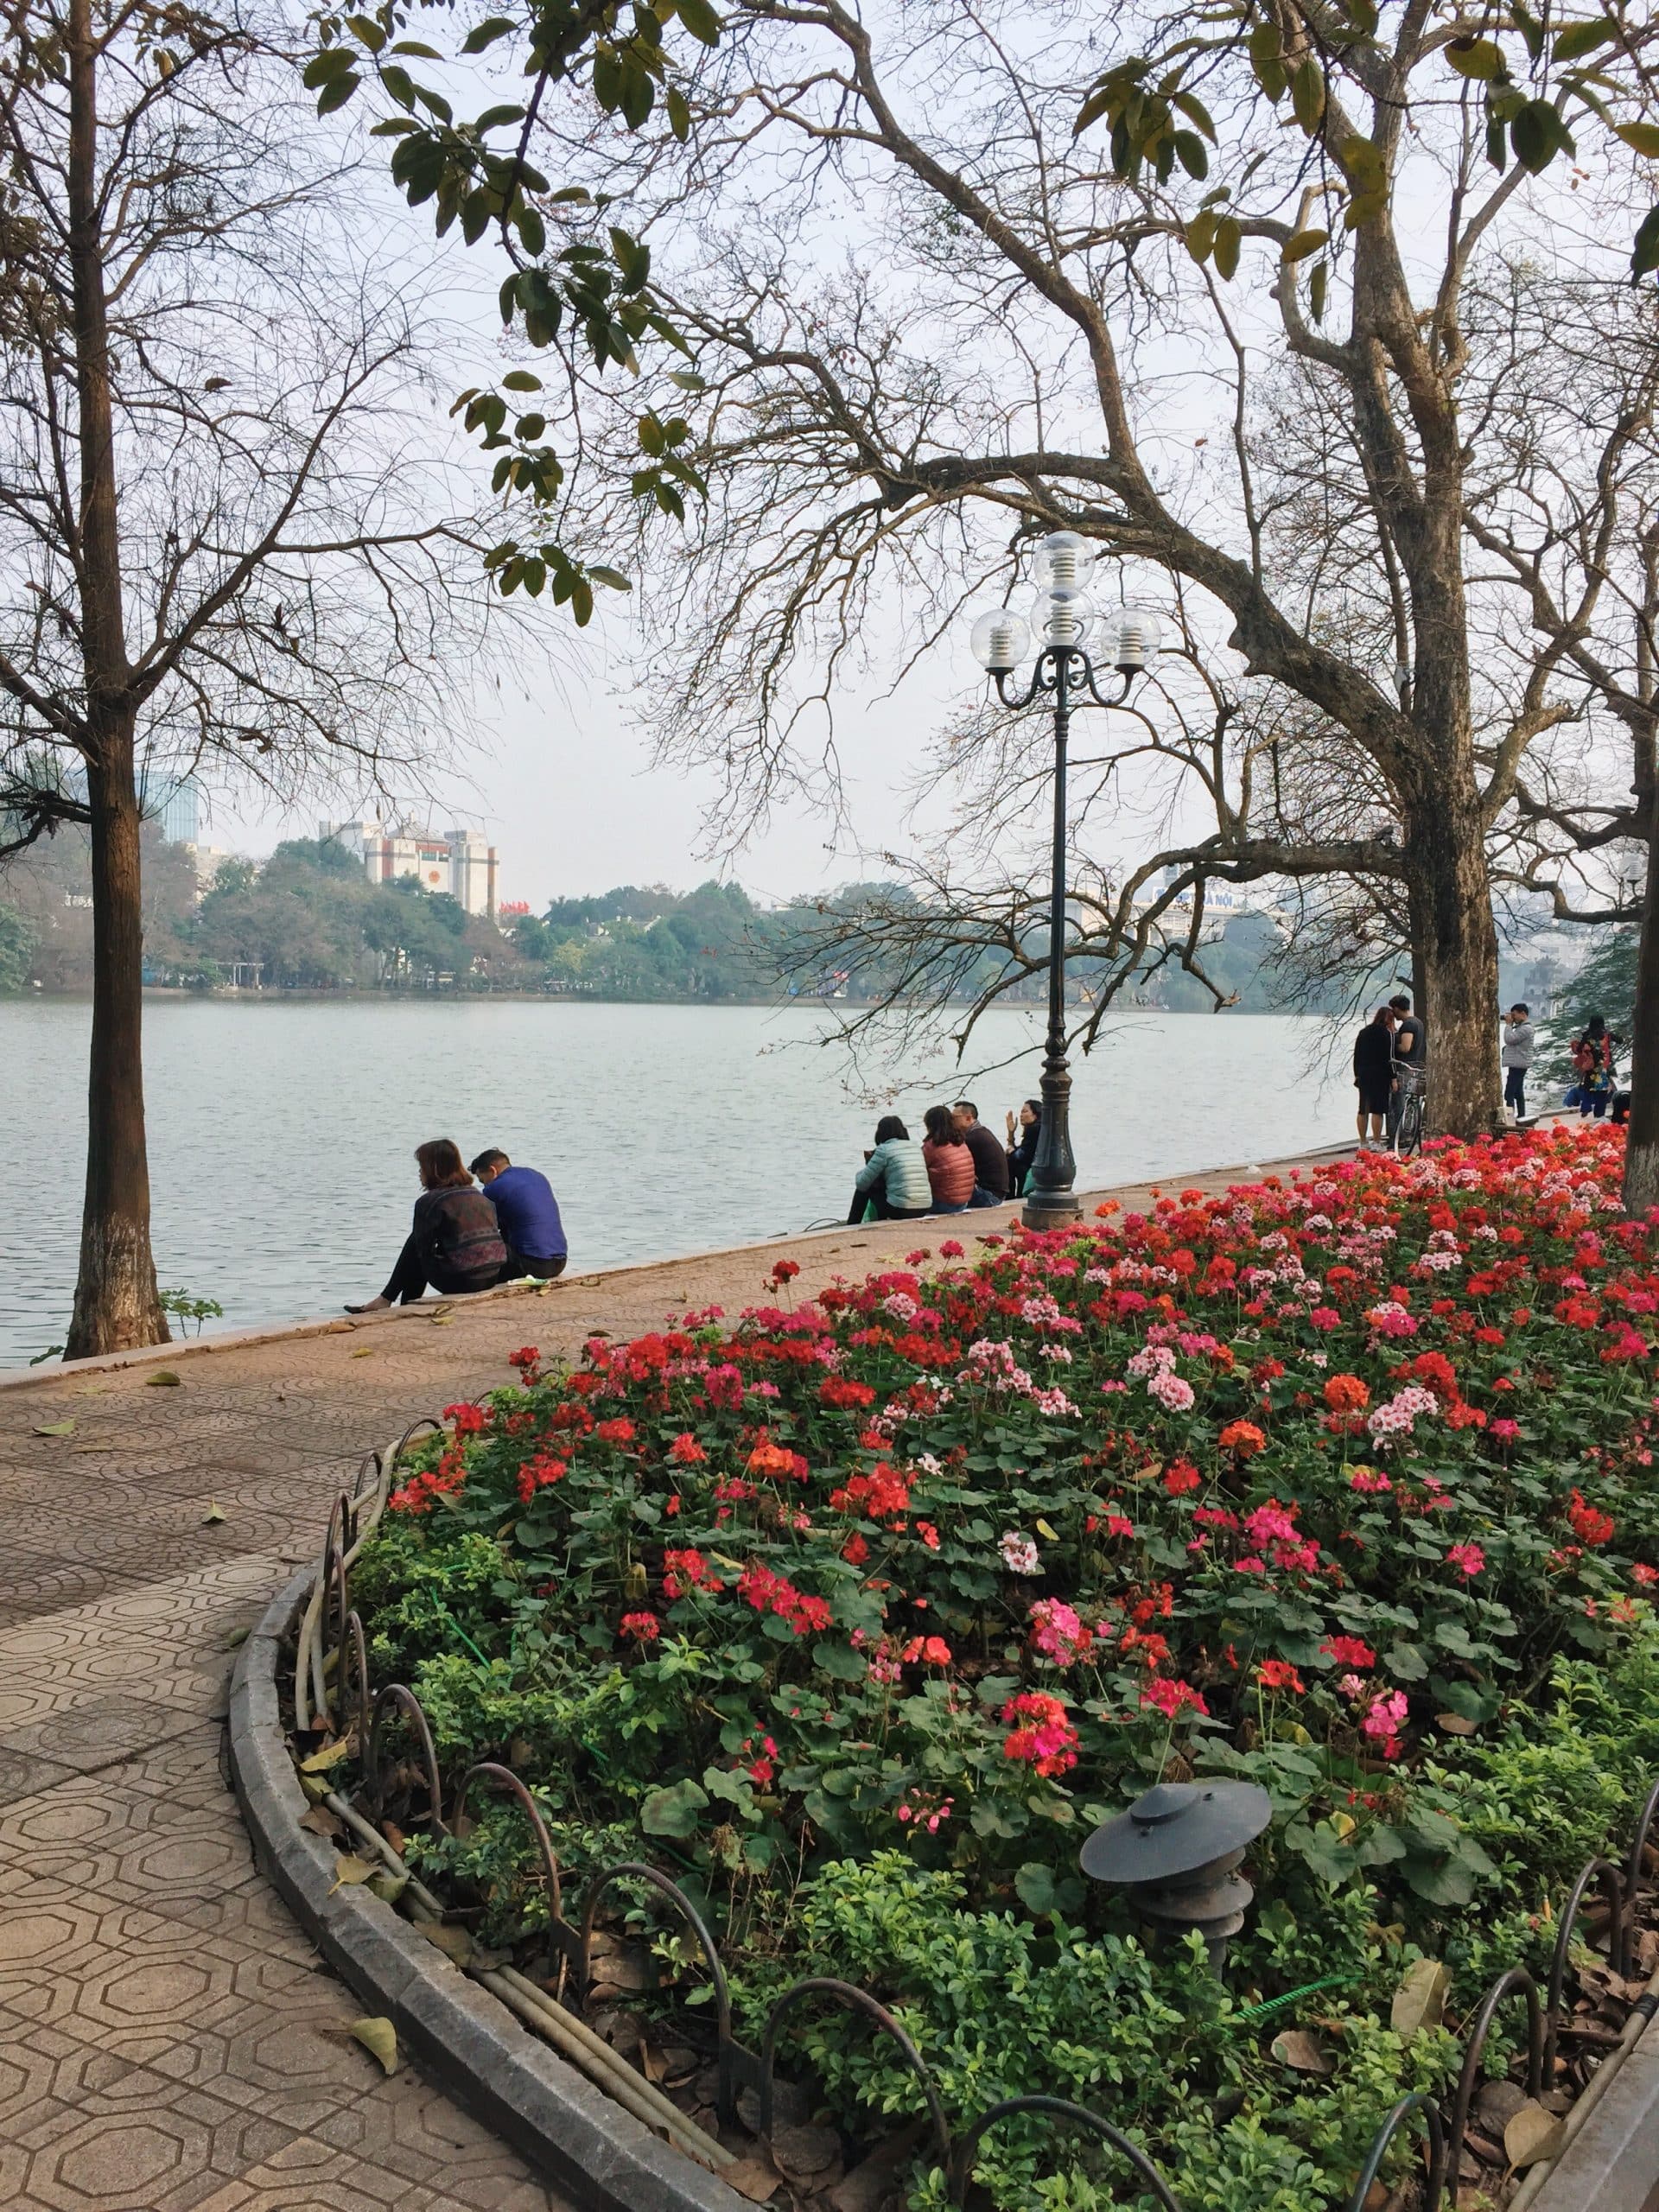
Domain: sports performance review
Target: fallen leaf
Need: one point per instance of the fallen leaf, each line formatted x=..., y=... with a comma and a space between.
x=364, y=1351
x=316, y=1787
x=394, y=1835
x=754, y=2179
x=317, y=1820
x=379, y=2037
x=214, y=1514
x=1455, y=1724
x=389, y=1887
x=1533, y=2134
x=1297, y=2048
x=805, y=2153
x=237, y=1635
x=454, y=1942
x=1046, y=1533
x=54, y=1427
x=441, y=1320
x=1420, y=1999
x=329, y=1756
x=350, y=1870
x=163, y=1379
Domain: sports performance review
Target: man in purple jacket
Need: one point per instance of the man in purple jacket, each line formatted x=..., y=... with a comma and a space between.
x=528, y=1214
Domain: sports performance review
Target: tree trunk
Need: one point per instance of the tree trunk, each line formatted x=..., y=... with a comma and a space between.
x=117, y=1307
x=1641, y=1136
x=116, y=1303
x=1455, y=941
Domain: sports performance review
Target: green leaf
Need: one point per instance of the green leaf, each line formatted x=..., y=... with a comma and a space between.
x=1317, y=284
x=1201, y=234
x=1034, y=1884
x=1406, y=1662
x=839, y=1661
x=1307, y=94
x=1644, y=255
x=1305, y=242
x=532, y=230
x=333, y=61
x=1195, y=111
x=673, y=1811
x=679, y=113
x=614, y=580
x=1538, y=134
x=1451, y=1884
x=1580, y=39
x=1643, y=136
x=1478, y=58
x=520, y=380
x=699, y=19
x=1189, y=151
x=486, y=33
x=1228, y=240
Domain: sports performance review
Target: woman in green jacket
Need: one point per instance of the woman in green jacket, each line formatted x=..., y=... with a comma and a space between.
x=893, y=1180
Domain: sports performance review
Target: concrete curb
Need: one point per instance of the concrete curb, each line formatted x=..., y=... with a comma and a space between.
x=569, y=2131
x=192, y=1348
x=1612, y=2163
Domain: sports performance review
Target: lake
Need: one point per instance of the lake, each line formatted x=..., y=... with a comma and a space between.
x=280, y=1132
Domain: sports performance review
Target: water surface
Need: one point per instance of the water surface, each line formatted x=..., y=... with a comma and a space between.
x=281, y=1132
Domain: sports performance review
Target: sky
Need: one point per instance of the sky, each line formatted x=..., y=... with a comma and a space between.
x=557, y=772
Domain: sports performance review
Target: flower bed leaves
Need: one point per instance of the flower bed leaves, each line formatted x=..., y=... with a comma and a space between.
x=866, y=1611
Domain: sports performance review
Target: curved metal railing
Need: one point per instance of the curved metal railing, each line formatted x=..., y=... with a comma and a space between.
x=330, y=1619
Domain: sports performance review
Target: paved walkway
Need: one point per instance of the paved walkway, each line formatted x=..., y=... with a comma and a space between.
x=168, y=2040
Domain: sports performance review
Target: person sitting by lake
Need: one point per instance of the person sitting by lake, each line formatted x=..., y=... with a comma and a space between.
x=1022, y=1144
x=990, y=1161
x=1374, y=1072
x=455, y=1244
x=528, y=1214
x=950, y=1163
x=893, y=1182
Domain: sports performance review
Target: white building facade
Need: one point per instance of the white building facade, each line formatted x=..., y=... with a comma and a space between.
x=459, y=861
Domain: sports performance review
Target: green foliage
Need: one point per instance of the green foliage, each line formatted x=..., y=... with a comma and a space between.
x=179, y=1305
x=591, y=291
x=1530, y=80
x=1606, y=984
x=17, y=949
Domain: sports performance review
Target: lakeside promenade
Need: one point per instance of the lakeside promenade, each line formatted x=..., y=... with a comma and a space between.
x=169, y=2040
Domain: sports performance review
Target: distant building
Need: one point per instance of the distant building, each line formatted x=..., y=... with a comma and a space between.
x=459, y=861
x=174, y=803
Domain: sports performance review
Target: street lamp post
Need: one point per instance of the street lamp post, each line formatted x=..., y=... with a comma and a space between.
x=1001, y=641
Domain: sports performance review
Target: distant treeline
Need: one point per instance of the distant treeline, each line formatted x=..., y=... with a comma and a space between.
x=309, y=919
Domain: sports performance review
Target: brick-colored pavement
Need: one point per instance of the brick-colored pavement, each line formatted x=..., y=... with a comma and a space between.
x=168, y=2040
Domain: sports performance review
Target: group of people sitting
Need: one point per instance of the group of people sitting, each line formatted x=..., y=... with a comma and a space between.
x=958, y=1165
x=470, y=1235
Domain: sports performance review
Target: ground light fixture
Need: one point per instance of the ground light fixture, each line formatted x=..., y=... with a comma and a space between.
x=1177, y=1852
x=1063, y=617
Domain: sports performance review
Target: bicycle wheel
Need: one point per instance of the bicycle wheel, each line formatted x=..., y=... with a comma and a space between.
x=1411, y=1123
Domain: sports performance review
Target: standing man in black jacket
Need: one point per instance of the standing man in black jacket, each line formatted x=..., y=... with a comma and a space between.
x=990, y=1160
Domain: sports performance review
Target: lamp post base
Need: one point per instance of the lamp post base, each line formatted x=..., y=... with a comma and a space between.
x=1050, y=1210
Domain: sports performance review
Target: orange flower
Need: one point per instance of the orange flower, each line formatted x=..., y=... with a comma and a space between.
x=1346, y=1394
x=1242, y=1437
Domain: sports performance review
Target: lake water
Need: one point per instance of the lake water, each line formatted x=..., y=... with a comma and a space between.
x=280, y=1133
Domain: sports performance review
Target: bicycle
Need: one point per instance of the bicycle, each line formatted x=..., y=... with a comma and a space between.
x=1408, y=1130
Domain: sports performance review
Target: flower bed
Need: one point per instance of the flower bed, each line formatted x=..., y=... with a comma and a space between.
x=866, y=1612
